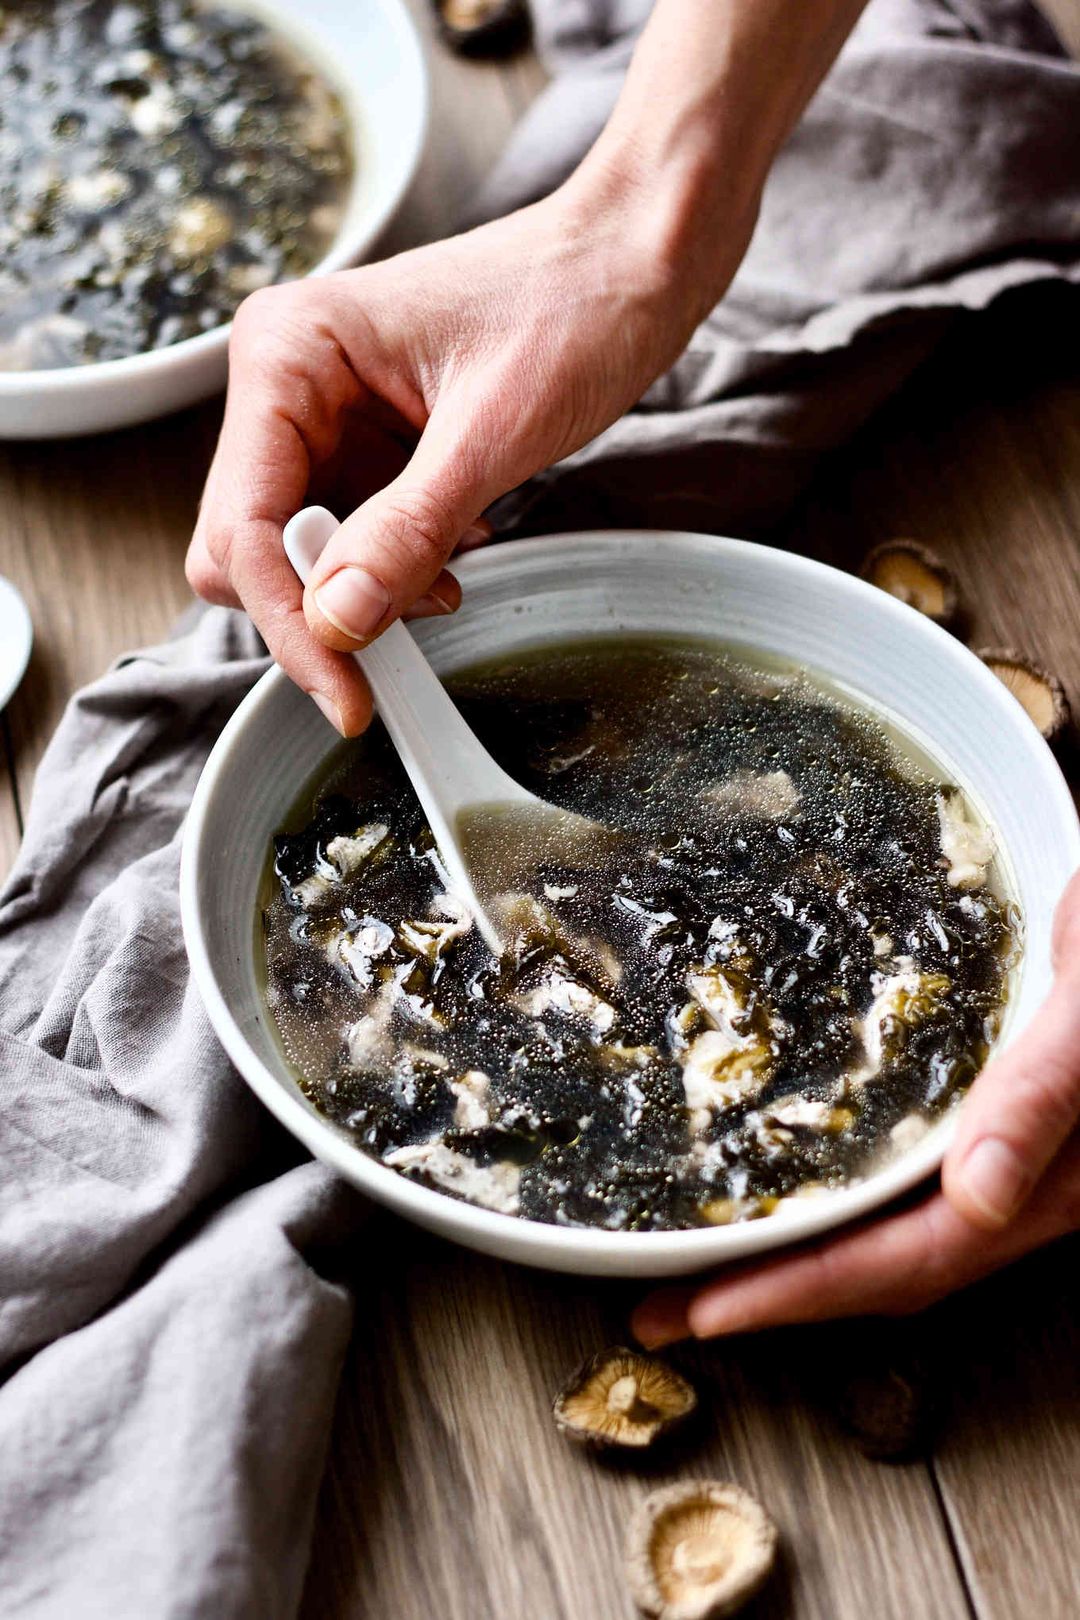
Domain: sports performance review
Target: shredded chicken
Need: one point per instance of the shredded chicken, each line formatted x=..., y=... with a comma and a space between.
x=728, y=1063
x=560, y=992
x=966, y=844
x=721, y=1069
x=493, y=1186
x=907, y=997
x=808, y=1113
x=361, y=948
x=347, y=855
x=472, y=1100
x=344, y=857
x=772, y=794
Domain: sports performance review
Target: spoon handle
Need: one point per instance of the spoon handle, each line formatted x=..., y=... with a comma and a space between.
x=413, y=704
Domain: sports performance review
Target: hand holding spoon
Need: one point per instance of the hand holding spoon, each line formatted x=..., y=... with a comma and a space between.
x=487, y=827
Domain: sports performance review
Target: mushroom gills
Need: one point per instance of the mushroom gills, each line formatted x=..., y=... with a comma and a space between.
x=492, y=1186
x=698, y=1551
x=1038, y=691
x=483, y=27
x=621, y=1398
x=916, y=576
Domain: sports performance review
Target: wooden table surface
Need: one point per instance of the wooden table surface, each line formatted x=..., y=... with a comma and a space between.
x=447, y=1493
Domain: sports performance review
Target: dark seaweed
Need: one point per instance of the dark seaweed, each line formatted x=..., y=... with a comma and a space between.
x=788, y=905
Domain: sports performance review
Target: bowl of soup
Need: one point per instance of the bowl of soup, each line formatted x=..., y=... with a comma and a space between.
x=753, y=1016
x=163, y=159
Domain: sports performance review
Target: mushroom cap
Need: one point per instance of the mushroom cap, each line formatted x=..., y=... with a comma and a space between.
x=698, y=1551
x=1039, y=692
x=888, y=1410
x=915, y=575
x=621, y=1398
x=483, y=27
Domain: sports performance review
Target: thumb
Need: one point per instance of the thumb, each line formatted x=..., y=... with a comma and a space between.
x=1025, y=1105
x=390, y=552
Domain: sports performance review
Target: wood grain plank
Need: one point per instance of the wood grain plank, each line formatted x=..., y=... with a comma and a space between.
x=93, y=533
x=1009, y=1458
x=10, y=834
x=1065, y=16
x=450, y=1492
x=524, y=76
x=980, y=459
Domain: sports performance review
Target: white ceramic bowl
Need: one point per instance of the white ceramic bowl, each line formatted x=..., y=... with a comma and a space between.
x=370, y=53
x=586, y=585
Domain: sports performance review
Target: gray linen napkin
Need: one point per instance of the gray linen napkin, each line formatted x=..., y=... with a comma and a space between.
x=171, y=1317
x=936, y=169
x=170, y=1328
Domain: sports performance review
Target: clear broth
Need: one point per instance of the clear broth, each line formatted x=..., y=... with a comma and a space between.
x=768, y=986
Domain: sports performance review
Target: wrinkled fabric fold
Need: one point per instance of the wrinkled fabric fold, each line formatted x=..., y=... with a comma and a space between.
x=935, y=171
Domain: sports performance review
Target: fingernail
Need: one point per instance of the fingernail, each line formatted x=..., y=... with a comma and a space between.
x=354, y=601
x=995, y=1179
x=429, y=605
x=330, y=710
x=659, y=1322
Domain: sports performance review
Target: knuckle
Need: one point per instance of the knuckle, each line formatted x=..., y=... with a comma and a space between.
x=418, y=523
x=1049, y=1095
x=202, y=573
x=214, y=547
x=261, y=317
x=249, y=320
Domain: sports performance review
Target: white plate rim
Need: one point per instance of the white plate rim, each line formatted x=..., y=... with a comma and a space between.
x=15, y=621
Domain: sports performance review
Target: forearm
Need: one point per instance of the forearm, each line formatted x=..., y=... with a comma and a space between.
x=712, y=92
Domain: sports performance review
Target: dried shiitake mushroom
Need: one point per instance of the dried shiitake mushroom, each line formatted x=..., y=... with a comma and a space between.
x=915, y=575
x=698, y=1551
x=483, y=27
x=888, y=1410
x=620, y=1398
x=1041, y=693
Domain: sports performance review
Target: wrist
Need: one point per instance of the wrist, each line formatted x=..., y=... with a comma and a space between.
x=711, y=94
x=674, y=216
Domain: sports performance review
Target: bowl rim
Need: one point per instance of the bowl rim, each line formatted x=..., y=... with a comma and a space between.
x=581, y=1247
x=343, y=252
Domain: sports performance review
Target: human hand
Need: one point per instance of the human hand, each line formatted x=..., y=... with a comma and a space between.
x=410, y=394
x=1010, y=1183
